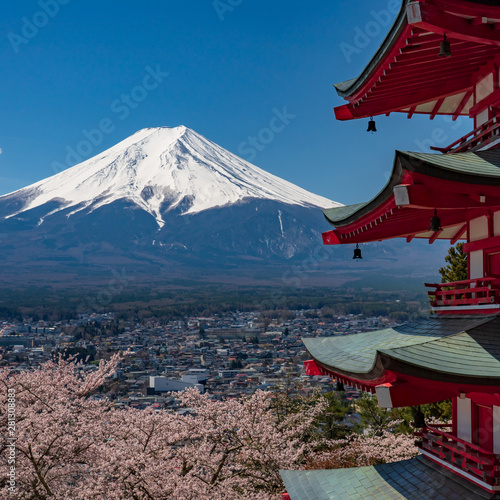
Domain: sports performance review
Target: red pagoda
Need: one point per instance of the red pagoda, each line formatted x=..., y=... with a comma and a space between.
x=441, y=57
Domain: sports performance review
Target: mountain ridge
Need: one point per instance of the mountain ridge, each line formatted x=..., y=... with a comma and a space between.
x=159, y=169
x=165, y=204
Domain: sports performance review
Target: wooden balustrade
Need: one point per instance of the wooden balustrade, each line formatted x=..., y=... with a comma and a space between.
x=478, y=137
x=466, y=456
x=473, y=292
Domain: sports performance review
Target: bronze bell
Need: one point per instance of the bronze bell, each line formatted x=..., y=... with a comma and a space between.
x=340, y=387
x=419, y=419
x=357, y=252
x=435, y=223
x=445, y=48
x=371, y=125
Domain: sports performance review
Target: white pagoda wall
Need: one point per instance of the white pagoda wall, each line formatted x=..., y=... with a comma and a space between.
x=482, y=90
x=482, y=117
x=476, y=264
x=464, y=419
x=464, y=422
x=496, y=223
x=496, y=429
x=484, y=87
x=478, y=229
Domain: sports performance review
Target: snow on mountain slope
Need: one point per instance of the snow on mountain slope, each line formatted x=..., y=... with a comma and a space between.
x=160, y=169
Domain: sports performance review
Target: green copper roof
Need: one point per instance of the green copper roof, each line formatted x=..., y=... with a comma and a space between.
x=480, y=163
x=343, y=86
x=341, y=213
x=481, y=167
x=415, y=479
x=453, y=346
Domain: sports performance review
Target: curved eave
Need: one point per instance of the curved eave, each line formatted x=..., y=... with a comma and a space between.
x=419, y=184
x=407, y=75
x=390, y=369
x=349, y=87
x=482, y=168
x=449, y=350
x=342, y=216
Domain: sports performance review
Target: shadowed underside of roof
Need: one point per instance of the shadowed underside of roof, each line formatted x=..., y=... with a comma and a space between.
x=400, y=76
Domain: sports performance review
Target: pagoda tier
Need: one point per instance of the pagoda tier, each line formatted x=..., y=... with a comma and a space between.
x=419, y=363
x=407, y=74
x=463, y=191
x=428, y=361
x=461, y=187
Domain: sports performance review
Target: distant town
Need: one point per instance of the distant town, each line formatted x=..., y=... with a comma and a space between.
x=226, y=355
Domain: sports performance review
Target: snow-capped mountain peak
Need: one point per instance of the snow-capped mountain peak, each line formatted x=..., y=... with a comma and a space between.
x=160, y=170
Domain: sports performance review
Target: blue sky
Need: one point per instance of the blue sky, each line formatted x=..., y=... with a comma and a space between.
x=76, y=70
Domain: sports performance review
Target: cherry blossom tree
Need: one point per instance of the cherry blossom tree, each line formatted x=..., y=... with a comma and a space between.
x=56, y=426
x=71, y=446
x=221, y=450
x=67, y=445
x=358, y=450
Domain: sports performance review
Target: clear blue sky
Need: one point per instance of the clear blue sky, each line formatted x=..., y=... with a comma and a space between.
x=231, y=64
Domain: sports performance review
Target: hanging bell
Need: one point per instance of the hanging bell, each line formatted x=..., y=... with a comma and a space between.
x=435, y=223
x=371, y=125
x=445, y=48
x=357, y=252
x=339, y=387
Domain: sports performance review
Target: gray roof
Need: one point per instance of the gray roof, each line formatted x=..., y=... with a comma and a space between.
x=468, y=348
x=414, y=479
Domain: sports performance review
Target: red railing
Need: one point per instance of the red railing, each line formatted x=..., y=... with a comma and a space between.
x=474, y=292
x=478, y=137
x=466, y=456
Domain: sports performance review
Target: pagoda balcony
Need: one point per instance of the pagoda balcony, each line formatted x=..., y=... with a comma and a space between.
x=474, y=296
x=464, y=458
x=477, y=138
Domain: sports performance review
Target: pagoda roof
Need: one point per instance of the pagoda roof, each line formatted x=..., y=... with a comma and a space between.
x=447, y=349
x=461, y=186
x=406, y=73
x=416, y=479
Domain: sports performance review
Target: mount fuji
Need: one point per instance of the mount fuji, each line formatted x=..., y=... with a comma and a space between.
x=163, y=201
x=159, y=170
